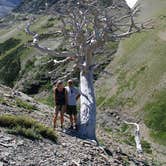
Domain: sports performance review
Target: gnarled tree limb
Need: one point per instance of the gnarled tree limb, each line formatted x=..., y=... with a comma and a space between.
x=137, y=136
x=36, y=44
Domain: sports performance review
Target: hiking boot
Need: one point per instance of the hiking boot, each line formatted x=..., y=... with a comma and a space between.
x=76, y=127
x=71, y=127
x=63, y=129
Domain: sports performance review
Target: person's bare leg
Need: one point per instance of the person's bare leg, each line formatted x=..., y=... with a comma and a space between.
x=71, y=120
x=55, y=118
x=62, y=115
x=62, y=118
x=75, y=121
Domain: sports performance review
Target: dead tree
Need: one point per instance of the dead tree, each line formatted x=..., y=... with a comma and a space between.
x=87, y=25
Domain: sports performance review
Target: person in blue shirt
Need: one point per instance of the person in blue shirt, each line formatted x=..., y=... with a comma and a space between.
x=73, y=95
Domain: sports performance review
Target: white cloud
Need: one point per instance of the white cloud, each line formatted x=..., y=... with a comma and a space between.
x=131, y=3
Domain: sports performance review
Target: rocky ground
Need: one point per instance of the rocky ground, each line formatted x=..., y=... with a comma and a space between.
x=69, y=150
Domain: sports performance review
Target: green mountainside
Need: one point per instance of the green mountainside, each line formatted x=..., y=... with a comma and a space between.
x=137, y=84
x=130, y=85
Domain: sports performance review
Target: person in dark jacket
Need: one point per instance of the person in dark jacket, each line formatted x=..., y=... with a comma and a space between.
x=60, y=98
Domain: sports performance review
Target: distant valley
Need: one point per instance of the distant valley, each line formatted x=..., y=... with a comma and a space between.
x=6, y=6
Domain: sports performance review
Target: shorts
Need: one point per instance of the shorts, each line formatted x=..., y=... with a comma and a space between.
x=72, y=110
x=60, y=108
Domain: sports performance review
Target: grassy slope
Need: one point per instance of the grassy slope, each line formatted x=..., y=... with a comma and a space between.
x=17, y=61
x=139, y=73
x=27, y=127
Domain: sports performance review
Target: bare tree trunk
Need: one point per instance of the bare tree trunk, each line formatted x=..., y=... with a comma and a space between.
x=87, y=118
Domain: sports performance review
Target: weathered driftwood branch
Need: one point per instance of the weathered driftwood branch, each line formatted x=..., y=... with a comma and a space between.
x=137, y=136
x=43, y=49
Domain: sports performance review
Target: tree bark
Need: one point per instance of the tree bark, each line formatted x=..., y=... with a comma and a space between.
x=87, y=117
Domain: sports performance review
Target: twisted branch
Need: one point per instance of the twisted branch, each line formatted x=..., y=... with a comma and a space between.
x=36, y=44
x=137, y=136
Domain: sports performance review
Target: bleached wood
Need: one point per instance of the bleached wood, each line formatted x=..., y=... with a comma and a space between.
x=136, y=136
x=87, y=124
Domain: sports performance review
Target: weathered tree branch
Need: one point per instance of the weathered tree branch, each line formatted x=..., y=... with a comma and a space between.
x=137, y=136
x=78, y=19
x=41, y=48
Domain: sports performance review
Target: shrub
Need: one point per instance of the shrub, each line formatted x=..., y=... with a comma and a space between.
x=130, y=140
x=146, y=146
x=27, y=127
x=155, y=117
x=8, y=44
x=10, y=66
x=25, y=105
x=26, y=132
x=48, y=25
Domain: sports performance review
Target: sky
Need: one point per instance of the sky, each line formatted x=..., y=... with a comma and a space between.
x=131, y=3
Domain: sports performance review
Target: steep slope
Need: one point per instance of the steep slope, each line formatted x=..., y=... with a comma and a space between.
x=137, y=80
x=127, y=84
x=20, y=144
